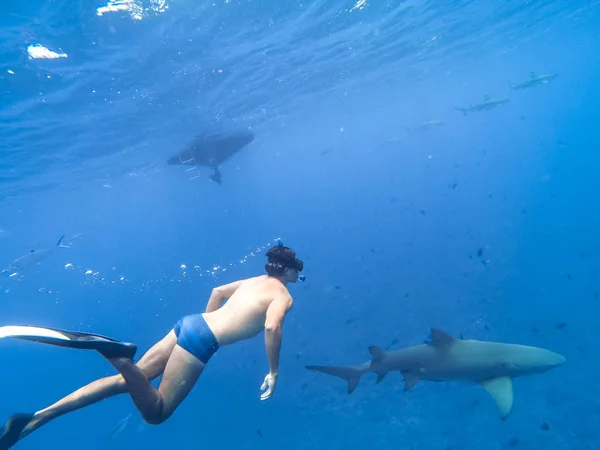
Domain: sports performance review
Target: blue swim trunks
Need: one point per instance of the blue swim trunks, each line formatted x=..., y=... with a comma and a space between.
x=195, y=336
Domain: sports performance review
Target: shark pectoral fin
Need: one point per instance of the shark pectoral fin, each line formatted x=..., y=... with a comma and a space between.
x=502, y=392
x=381, y=376
x=441, y=340
x=410, y=380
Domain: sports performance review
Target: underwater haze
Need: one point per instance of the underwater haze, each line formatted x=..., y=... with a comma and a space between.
x=434, y=163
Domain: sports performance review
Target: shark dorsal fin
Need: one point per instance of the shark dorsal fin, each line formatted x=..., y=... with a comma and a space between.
x=410, y=380
x=377, y=353
x=440, y=339
x=532, y=75
x=502, y=392
x=486, y=97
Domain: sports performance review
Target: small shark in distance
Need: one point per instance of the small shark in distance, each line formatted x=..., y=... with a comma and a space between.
x=534, y=80
x=212, y=150
x=30, y=259
x=492, y=365
x=487, y=103
x=426, y=125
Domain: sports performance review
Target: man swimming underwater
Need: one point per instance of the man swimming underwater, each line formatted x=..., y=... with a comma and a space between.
x=180, y=357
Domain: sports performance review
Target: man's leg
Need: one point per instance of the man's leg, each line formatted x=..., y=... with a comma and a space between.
x=152, y=364
x=180, y=375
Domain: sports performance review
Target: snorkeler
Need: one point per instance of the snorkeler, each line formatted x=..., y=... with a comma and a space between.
x=180, y=357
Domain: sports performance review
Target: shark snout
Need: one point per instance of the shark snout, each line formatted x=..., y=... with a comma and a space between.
x=550, y=359
x=558, y=360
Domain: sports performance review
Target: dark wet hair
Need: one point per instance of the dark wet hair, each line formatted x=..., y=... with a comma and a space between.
x=280, y=258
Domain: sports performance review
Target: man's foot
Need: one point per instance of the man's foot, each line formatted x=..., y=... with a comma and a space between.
x=11, y=432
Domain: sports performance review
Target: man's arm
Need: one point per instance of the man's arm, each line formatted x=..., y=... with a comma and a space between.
x=273, y=327
x=219, y=294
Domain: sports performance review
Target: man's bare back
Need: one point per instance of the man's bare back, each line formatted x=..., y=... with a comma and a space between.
x=234, y=312
x=244, y=314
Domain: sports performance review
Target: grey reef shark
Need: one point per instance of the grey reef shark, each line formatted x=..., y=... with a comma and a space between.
x=30, y=259
x=492, y=365
x=534, y=80
x=486, y=104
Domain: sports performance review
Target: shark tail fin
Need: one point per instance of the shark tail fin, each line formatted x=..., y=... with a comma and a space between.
x=60, y=244
x=351, y=374
x=463, y=110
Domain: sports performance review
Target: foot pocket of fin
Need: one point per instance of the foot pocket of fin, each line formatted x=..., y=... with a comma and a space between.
x=11, y=432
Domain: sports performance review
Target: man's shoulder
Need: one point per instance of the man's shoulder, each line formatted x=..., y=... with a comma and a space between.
x=255, y=279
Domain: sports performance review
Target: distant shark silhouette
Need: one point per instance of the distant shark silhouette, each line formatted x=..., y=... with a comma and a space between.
x=30, y=259
x=493, y=365
x=212, y=150
x=426, y=125
x=534, y=80
x=487, y=103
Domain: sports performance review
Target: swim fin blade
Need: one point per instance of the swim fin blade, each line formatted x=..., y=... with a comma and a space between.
x=107, y=347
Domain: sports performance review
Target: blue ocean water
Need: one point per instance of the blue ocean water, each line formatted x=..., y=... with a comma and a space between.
x=485, y=226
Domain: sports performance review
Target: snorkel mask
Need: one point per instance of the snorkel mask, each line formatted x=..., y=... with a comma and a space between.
x=296, y=263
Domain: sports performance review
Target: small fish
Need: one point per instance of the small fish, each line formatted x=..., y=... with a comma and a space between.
x=534, y=80
x=119, y=427
x=487, y=103
x=31, y=259
x=141, y=426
